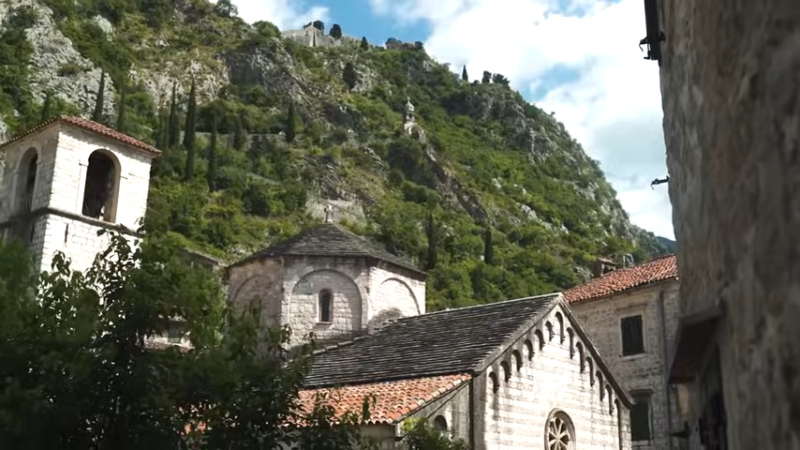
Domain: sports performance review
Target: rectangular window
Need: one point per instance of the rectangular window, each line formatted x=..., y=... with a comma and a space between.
x=640, y=417
x=174, y=335
x=632, y=335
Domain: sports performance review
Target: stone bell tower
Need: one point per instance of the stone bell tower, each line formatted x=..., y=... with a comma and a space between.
x=65, y=180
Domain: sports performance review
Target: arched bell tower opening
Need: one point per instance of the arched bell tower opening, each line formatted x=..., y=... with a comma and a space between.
x=26, y=181
x=101, y=190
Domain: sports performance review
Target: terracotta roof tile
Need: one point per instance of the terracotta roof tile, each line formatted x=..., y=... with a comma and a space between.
x=393, y=399
x=619, y=280
x=93, y=127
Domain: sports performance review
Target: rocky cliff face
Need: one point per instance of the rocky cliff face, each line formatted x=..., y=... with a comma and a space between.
x=490, y=160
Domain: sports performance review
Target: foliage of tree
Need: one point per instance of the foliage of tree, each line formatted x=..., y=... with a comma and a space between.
x=500, y=79
x=291, y=124
x=364, y=44
x=318, y=24
x=349, y=75
x=77, y=373
x=487, y=77
x=47, y=106
x=211, y=156
x=123, y=93
x=488, y=246
x=226, y=8
x=432, y=257
x=336, y=31
x=189, y=133
x=422, y=435
x=464, y=74
x=173, y=124
x=99, y=101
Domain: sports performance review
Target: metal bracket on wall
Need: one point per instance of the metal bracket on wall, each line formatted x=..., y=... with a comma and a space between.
x=654, y=36
x=658, y=181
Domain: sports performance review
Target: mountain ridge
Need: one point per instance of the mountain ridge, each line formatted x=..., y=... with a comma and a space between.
x=493, y=196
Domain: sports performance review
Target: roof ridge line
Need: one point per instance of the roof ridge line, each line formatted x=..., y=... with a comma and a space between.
x=533, y=297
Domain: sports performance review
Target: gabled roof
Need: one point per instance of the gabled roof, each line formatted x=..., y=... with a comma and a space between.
x=394, y=400
x=445, y=342
x=92, y=127
x=660, y=269
x=329, y=240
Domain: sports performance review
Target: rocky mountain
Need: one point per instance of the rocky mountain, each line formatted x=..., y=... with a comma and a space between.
x=668, y=244
x=486, y=191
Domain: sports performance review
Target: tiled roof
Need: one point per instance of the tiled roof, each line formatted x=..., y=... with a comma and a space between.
x=329, y=240
x=619, y=280
x=93, y=127
x=393, y=399
x=439, y=343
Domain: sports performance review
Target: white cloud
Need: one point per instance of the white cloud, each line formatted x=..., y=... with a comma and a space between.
x=612, y=106
x=286, y=14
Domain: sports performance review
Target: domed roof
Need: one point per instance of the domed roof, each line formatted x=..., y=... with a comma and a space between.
x=409, y=106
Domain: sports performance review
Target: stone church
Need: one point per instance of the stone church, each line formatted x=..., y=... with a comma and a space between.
x=517, y=374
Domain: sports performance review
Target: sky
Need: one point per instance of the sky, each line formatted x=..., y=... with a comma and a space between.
x=577, y=58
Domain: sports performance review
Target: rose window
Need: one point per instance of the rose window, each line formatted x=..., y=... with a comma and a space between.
x=559, y=432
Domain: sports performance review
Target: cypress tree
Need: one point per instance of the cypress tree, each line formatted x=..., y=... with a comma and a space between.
x=291, y=123
x=47, y=106
x=239, y=137
x=173, y=126
x=97, y=115
x=350, y=76
x=123, y=89
x=161, y=129
x=464, y=75
x=488, y=246
x=364, y=43
x=211, y=156
x=433, y=256
x=189, y=133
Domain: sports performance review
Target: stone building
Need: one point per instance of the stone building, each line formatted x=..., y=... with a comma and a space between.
x=312, y=36
x=730, y=89
x=410, y=125
x=65, y=180
x=518, y=374
x=632, y=315
x=329, y=282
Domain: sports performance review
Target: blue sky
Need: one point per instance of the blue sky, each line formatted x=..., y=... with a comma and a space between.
x=577, y=58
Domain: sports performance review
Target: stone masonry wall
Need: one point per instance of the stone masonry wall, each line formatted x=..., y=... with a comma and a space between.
x=731, y=99
x=643, y=372
x=542, y=373
x=393, y=294
x=260, y=281
x=304, y=279
x=61, y=173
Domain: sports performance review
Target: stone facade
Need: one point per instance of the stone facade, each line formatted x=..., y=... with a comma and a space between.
x=365, y=294
x=644, y=374
x=313, y=37
x=730, y=95
x=548, y=368
x=52, y=205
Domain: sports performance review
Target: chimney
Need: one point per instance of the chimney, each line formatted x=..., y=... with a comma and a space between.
x=603, y=266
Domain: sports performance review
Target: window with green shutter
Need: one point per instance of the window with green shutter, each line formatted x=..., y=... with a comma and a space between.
x=640, y=417
x=632, y=335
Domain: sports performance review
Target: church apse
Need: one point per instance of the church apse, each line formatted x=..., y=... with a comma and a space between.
x=326, y=302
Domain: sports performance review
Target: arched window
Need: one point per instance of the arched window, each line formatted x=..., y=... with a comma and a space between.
x=26, y=181
x=560, y=432
x=325, y=306
x=440, y=423
x=101, y=187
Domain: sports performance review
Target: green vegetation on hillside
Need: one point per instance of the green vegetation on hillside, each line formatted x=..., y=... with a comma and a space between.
x=510, y=202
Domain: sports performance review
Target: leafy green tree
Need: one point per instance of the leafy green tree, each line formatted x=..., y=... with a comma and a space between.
x=211, y=156
x=97, y=115
x=488, y=246
x=318, y=24
x=364, y=44
x=421, y=435
x=500, y=79
x=464, y=74
x=487, y=77
x=226, y=8
x=432, y=256
x=173, y=125
x=123, y=90
x=350, y=76
x=77, y=373
x=336, y=31
x=189, y=137
x=239, y=133
x=47, y=106
x=291, y=124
